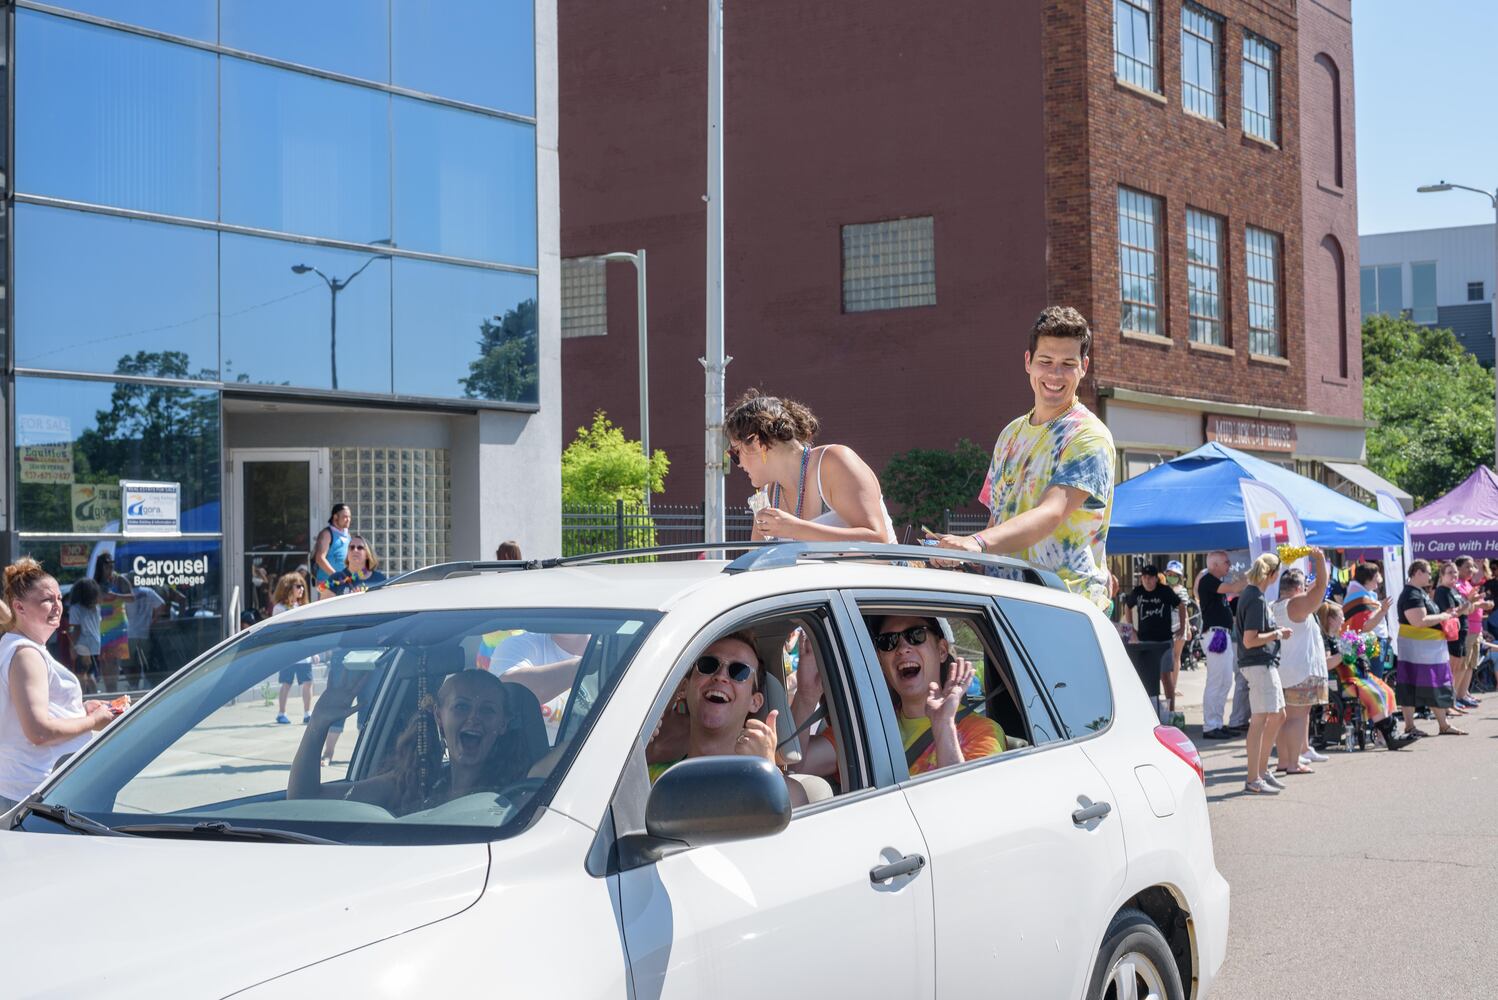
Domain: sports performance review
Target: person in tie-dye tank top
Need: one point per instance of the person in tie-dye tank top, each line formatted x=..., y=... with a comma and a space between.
x=1049, y=488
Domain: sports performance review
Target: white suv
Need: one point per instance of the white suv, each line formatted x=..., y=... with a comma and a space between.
x=545, y=848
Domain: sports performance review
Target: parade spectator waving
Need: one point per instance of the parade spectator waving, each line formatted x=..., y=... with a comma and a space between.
x=820, y=493
x=42, y=711
x=1212, y=591
x=1049, y=488
x=1303, y=674
x=1259, y=638
x=330, y=551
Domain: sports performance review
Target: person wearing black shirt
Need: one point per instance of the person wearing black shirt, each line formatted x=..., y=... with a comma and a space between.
x=1152, y=605
x=1212, y=590
x=1259, y=638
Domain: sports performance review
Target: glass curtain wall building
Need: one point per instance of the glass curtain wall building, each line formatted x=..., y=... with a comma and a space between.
x=226, y=208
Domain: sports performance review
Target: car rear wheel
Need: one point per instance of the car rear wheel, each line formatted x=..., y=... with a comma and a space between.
x=1135, y=962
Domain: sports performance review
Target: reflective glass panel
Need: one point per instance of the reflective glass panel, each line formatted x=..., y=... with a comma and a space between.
x=188, y=18
x=160, y=283
x=464, y=333
x=465, y=184
x=304, y=155
x=76, y=440
x=279, y=326
x=113, y=118
x=170, y=597
x=350, y=37
x=479, y=51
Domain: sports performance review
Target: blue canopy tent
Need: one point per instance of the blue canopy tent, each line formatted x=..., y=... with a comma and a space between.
x=1192, y=504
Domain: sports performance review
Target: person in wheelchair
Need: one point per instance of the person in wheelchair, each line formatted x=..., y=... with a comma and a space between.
x=927, y=685
x=1357, y=682
x=478, y=735
x=719, y=697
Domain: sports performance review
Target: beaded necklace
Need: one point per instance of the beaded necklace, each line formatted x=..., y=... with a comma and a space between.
x=778, y=494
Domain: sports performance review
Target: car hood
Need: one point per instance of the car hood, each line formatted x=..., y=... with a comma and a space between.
x=136, y=918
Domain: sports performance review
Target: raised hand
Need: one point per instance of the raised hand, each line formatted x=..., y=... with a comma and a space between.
x=942, y=701
x=758, y=738
x=808, y=671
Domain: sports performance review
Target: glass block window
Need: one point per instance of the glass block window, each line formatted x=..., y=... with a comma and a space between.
x=889, y=265
x=585, y=301
x=1204, y=277
x=1260, y=59
x=1262, y=250
x=1134, y=42
x=1474, y=291
x=402, y=502
x=1139, y=261
x=1423, y=291
x=1201, y=39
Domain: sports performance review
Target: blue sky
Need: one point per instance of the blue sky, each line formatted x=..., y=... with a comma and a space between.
x=1426, y=79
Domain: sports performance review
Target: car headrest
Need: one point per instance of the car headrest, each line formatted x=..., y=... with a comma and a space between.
x=775, y=701
x=525, y=711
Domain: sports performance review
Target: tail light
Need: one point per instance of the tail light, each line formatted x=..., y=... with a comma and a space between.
x=1180, y=744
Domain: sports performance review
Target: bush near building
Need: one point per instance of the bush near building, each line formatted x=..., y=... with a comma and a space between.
x=600, y=469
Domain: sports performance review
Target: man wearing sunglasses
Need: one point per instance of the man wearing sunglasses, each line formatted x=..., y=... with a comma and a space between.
x=719, y=695
x=927, y=684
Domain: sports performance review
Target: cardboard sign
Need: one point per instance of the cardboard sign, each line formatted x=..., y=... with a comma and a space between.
x=74, y=555
x=151, y=508
x=94, y=506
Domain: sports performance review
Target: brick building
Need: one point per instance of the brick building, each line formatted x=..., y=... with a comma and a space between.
x=905, y=192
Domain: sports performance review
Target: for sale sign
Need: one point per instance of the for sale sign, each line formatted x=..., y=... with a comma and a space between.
x=44, y=448
x=151, y=508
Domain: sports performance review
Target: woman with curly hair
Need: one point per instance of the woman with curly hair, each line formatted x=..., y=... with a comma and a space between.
x=815, y=493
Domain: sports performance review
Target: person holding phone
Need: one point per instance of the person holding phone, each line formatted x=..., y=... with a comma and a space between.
x=927, y=684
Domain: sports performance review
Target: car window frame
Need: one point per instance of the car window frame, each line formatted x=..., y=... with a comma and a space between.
x=979, y=607
x=625, y=813
x=1023, y=652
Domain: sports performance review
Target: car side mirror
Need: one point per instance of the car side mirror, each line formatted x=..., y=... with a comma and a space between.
x=709, y=800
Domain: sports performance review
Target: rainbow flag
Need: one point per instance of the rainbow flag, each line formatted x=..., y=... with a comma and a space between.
x=1422, y=668
x=114, y=629
x=489, y=645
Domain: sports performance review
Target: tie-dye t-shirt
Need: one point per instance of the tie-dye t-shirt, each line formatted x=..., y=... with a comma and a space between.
x=1076, y=450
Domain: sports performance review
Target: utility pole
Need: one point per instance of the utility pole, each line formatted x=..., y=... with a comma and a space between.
x=715, y=363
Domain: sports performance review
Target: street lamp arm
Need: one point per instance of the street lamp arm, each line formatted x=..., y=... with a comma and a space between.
x=1447, y=186
x=345, y=282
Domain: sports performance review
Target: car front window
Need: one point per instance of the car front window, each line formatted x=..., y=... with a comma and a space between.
x=430, y=727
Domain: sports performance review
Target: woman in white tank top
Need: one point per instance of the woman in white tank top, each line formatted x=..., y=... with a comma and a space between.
x=42, y=711
x=815, y=494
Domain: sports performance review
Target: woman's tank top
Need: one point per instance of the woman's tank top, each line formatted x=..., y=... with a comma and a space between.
x=23, y=766
x=833, y=518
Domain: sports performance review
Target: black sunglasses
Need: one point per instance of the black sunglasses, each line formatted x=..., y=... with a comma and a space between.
x=733, y=456
x=738, y=670
x=886, y=642
x=358, y=548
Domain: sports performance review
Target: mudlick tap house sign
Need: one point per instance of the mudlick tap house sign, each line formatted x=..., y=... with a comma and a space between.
x=150, y=508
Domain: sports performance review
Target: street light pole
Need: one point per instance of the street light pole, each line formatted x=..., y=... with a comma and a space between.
x=1492, y=197
x=715, y=362
x=641, y=312
x=334, y=287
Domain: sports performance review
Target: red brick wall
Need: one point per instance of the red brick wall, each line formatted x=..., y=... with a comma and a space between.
x=836, y=114
x=1334, y=371
x=1157, y=147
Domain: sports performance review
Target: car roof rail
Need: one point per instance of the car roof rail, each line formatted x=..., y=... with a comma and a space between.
x=780, y=554
x=467, y=567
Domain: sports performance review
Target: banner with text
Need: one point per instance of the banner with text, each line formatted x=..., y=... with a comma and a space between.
x=95, y=505
x=44, y=448
x=1396, y=560
x=1271, y=522
x=151, y=508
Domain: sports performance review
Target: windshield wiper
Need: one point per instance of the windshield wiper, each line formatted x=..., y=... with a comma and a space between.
x=71, y=820
x=218, y=828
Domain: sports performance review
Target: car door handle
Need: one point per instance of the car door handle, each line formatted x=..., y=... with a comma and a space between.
x=1095, y=811
x=908, y=865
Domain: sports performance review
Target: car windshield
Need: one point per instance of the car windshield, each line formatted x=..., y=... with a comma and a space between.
x=429, y=727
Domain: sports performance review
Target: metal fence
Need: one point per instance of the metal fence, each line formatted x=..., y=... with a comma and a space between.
x=618, y=526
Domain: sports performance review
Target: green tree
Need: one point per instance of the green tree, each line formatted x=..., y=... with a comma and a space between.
x=602, y=465
x=926, y=482
x=1431, y=404
x=507, y=363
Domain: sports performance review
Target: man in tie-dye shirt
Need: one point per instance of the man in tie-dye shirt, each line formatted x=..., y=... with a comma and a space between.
x=1049, y=488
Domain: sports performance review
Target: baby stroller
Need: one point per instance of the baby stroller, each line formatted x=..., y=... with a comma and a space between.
x=1194, y=654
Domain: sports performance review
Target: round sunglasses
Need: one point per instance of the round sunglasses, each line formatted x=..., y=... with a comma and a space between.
x=916, y=635
x=738, y=670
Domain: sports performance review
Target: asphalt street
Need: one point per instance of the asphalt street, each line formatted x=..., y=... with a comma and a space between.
x=1375, y=877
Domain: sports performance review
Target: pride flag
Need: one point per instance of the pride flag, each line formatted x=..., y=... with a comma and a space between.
x=114, y=629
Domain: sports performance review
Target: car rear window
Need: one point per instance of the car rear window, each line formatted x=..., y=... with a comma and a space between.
x=1063, y=648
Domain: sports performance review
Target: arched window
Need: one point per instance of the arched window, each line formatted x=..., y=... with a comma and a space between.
x=1330, y=91
x=1331, y=284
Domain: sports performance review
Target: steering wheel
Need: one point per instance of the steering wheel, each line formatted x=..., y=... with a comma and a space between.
x=518, y=791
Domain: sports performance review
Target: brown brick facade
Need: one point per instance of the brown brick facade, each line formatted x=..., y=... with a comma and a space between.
x=1003, y=122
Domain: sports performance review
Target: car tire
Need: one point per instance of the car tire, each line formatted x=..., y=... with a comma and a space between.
x=1134, y=947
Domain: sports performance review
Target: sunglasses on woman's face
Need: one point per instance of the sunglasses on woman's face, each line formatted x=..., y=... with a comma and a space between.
x=886, y=642
x=298, y=586
x=738, y=670
x=357, y=548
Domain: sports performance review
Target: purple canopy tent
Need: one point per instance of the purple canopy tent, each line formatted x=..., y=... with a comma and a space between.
x=1464, y=522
